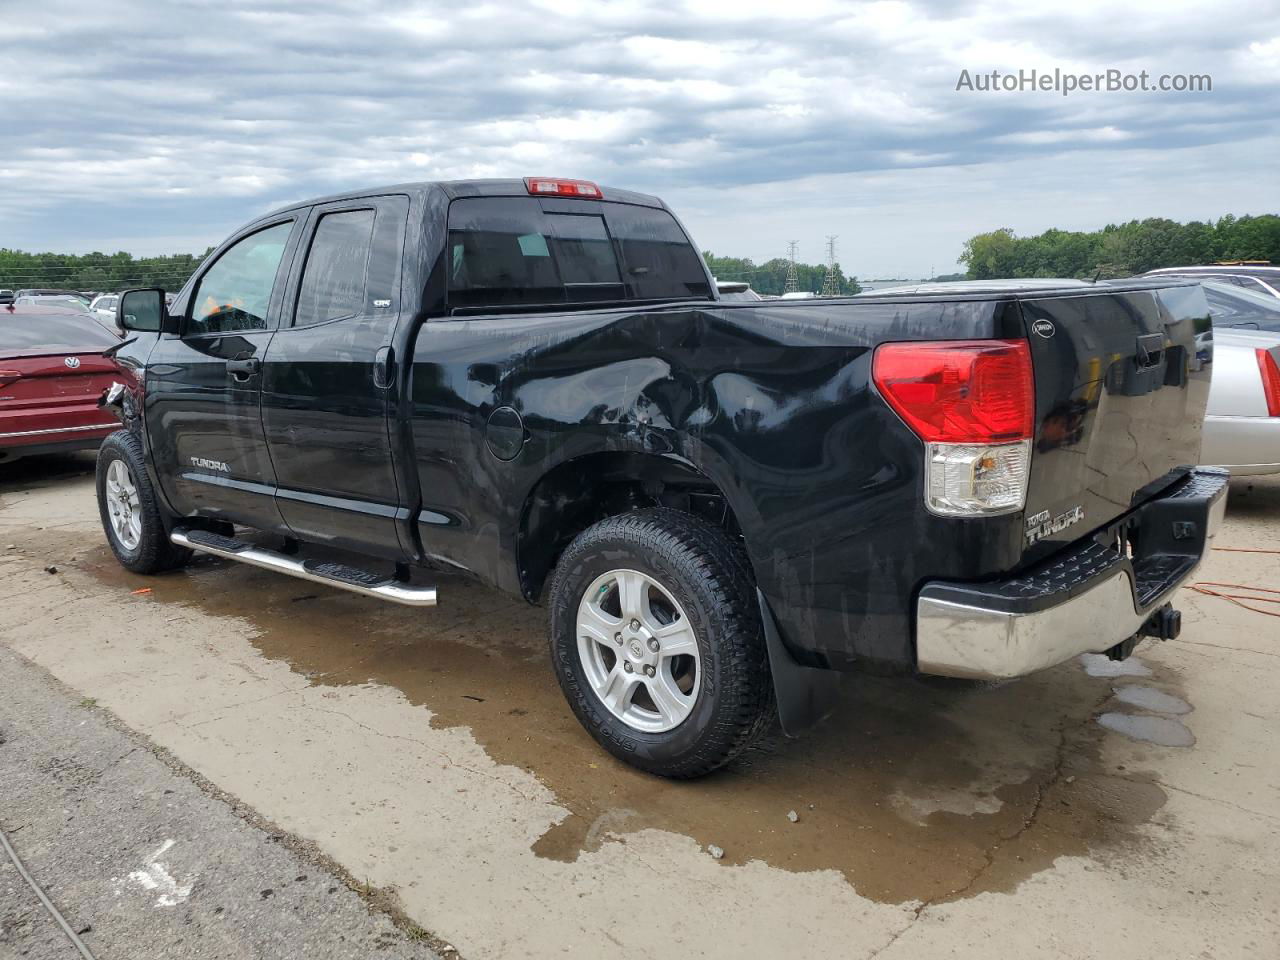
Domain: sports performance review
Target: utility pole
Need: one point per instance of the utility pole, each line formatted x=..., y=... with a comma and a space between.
x=793, y=283
x=830, y=288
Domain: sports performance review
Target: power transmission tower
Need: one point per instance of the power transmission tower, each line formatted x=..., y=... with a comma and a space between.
x=793, y=283
x=830, y=288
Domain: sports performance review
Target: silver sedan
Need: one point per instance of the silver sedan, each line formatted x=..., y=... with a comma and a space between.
x=1242, y=426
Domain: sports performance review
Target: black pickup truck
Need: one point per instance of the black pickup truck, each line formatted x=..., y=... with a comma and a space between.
x=722, y=504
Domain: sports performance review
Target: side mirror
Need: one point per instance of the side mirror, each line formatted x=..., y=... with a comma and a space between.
x=142, y=311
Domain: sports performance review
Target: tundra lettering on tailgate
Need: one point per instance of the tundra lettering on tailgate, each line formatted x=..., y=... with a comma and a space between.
x=1041, y=525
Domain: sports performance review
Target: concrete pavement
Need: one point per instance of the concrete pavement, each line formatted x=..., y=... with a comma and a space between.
x=430, y=754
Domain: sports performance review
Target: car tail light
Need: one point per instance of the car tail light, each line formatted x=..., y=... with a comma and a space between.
x=552, y=187
x=972, y=402
x=1270, y=381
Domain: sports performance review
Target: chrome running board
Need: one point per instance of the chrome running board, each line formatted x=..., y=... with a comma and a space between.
x=331, y=574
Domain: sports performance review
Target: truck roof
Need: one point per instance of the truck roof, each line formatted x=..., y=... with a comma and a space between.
x=454, y=189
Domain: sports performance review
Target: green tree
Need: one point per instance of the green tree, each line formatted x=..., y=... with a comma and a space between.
x=1122, y=249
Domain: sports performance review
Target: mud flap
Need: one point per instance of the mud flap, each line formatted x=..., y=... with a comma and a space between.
x=805, y=695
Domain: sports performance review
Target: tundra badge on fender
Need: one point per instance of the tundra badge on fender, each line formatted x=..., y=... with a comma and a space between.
x=204, y=464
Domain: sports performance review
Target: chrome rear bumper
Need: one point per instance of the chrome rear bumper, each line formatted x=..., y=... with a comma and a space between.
x=1087, y=601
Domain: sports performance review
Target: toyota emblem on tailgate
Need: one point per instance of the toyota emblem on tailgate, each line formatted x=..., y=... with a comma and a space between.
x=71, y=362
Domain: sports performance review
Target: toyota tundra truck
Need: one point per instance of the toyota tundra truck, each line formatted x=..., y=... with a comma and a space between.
x=721, y=505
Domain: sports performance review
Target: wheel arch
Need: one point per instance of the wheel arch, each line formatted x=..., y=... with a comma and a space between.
x=581, y=491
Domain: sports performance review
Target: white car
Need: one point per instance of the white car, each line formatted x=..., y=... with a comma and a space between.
x=1242, y=423
x=105, y=306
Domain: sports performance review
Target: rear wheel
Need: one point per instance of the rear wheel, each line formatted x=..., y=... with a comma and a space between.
x=130, y=511
x=657, y=643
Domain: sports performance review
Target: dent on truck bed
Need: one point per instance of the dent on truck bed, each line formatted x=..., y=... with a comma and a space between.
x=769, y=406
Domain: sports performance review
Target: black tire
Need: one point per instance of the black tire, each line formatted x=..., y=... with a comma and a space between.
x=154, y=552
x=709, y=577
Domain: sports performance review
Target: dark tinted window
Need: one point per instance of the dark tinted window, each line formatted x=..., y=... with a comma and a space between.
x=584, y=254
x=499, y=253
x=658, y=261
x=333, y=283
x=235, y=292
x=1231, y=307
x=507, y=250
x=26, y=332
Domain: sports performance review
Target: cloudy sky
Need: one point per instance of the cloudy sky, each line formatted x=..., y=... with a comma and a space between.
x=158, y=127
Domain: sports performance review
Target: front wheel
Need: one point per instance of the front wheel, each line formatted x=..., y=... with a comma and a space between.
x=657, y=643
x=130, y=511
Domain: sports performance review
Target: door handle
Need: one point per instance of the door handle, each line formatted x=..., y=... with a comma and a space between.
x=242, y=369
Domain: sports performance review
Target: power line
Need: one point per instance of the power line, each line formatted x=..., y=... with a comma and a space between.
x=134, y=268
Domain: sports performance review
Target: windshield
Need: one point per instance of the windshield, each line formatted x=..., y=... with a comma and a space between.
x=1232, y=306
x=30, y=333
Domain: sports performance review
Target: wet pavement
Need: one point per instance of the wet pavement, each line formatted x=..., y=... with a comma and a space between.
x=915, y=795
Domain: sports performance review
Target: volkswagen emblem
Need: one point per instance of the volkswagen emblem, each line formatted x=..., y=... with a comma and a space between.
x=71, y=362
x=1044, y=328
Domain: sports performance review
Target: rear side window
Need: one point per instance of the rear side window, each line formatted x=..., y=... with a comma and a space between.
x=506, y=251
x=336, y=274
x=25, y=332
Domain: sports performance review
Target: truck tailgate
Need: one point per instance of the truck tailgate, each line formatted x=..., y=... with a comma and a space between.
x=1122, y=380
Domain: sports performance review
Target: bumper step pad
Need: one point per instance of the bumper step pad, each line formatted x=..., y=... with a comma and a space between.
x=1094, y=597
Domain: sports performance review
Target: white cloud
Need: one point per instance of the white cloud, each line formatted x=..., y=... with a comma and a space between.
x=192, y=118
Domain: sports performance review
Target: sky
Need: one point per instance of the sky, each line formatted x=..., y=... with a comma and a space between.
x=159, y=127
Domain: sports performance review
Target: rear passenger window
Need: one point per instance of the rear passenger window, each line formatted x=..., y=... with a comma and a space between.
x=334, y=279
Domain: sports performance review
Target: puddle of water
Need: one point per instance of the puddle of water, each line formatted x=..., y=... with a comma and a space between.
x=1155, y=701
x=1164, y=731
x=1100, y=665
x=912, y=790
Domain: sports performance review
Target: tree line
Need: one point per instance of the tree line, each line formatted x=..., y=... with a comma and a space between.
x=770, y=277
x=98, y=272
x=1121, y=249
x=1117, y=250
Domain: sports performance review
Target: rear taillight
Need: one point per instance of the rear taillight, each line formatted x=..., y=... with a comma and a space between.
x=972, y=402
x=1270, y=381
x=554, y=187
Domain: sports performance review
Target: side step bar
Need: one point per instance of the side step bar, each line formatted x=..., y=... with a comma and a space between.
x=331, y=574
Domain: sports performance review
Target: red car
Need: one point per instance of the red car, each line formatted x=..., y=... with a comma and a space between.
x=52, y=372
